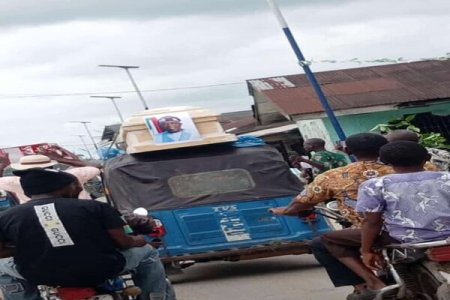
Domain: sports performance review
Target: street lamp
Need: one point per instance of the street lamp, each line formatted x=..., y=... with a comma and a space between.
x=126, y=68
x=87, y=130
x=85, y=145
x=113, y=99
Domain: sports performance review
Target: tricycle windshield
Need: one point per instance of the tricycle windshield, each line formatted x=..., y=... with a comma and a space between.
x=192, y=177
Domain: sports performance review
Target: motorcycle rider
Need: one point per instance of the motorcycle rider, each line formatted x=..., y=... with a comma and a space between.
x=342, y=184
x=58, y=240
x=409, y=206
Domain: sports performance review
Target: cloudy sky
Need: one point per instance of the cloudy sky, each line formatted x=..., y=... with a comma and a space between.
x=50, y=50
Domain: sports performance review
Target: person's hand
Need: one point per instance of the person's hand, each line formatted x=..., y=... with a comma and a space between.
x=139, y=241
x=279, y=211
x=373, y=261
x=301, y=159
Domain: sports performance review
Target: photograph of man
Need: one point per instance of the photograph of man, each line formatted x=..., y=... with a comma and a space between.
x=172, y=128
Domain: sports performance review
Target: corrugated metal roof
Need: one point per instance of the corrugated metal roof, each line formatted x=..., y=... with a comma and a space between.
x=362, y=87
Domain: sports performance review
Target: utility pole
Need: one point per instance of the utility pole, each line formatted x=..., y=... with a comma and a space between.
x=305, y=65
x=88, y=131
x=85, y=145
x=127, y=69
x=113, y=99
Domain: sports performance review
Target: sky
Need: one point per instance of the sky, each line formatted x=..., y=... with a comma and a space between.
x=195, y=53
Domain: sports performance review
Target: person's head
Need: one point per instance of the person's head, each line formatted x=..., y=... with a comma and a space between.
x=365, y=145
x=170, y=124
x=314, y=144
x=41, y=181
x=404, y=156
x=402, y=135
x=34, y=161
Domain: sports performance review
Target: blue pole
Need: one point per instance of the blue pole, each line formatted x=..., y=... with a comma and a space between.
x=302, y=62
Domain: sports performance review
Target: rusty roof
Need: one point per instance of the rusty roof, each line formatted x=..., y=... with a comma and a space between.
x=242, y=122
x=360, y=87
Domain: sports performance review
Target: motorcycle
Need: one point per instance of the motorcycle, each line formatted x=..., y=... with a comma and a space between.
x=120, y=288
x=413, y=271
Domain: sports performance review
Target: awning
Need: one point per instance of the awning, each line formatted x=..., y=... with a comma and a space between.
x=270, y=131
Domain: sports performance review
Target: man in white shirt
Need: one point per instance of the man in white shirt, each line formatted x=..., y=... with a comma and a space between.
x=12, y=183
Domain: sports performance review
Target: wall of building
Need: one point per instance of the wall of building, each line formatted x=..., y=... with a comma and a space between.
x=266, y=111
x=353, y=124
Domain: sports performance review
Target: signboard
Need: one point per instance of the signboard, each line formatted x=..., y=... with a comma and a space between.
x=53, y=151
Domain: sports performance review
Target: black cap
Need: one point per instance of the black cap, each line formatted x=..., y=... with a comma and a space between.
x=41, y=181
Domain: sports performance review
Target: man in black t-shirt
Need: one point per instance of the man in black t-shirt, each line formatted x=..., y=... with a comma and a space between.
x=58, y=240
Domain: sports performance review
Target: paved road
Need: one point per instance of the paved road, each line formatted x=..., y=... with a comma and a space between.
x=281, y=278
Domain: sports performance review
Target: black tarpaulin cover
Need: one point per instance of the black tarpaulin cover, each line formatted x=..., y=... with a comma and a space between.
x=190, y=177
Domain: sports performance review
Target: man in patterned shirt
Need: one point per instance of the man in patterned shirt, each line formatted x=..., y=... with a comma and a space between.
x=342, y=185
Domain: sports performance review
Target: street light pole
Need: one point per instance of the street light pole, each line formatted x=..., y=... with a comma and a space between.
x=305, y=65
x=113, y=99
x=88, y=131
x=85, y=145
x=126, y=68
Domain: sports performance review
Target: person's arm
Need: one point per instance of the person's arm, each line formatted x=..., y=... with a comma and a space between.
x=371, y=204
x=294, y=208
x=371, y=228
x=12, y=184
x=312, y=163
x=316, y=192
x=124, y=241
x=6, y=251
x=84, y=174
x=114, y=225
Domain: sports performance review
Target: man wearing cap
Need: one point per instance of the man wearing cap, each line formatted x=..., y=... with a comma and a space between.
x=58, y=240
x=173, y=132
x=12, y=183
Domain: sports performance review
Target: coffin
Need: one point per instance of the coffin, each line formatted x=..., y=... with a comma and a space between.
x=150, y=130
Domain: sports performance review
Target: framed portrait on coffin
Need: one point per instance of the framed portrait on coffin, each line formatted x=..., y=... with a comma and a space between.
x=177, y=127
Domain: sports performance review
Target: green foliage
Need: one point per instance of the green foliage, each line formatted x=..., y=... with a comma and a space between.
x=398, y=123
x=434, y=140
x=429, y=139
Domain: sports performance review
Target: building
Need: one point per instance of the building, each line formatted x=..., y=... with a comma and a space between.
x=360, y=97
x=283, y=135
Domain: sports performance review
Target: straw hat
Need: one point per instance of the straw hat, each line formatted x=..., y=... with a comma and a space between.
x=34, y=161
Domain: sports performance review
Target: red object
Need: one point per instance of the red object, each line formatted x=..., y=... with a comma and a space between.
x=53, y=151
x=76, y=293
x=311, y=217
x=439, y=254
x=158, y=230
x=155, y=122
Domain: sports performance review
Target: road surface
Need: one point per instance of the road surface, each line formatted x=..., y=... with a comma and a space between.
x=282, y=278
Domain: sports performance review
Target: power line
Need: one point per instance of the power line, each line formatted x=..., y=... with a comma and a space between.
x=70, y=94
x=312, y=61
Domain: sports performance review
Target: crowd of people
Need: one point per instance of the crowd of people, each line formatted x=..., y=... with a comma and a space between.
x=56, y=237
x=397, y=191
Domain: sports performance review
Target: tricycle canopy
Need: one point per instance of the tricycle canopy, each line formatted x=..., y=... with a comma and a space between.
x=189, y=177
